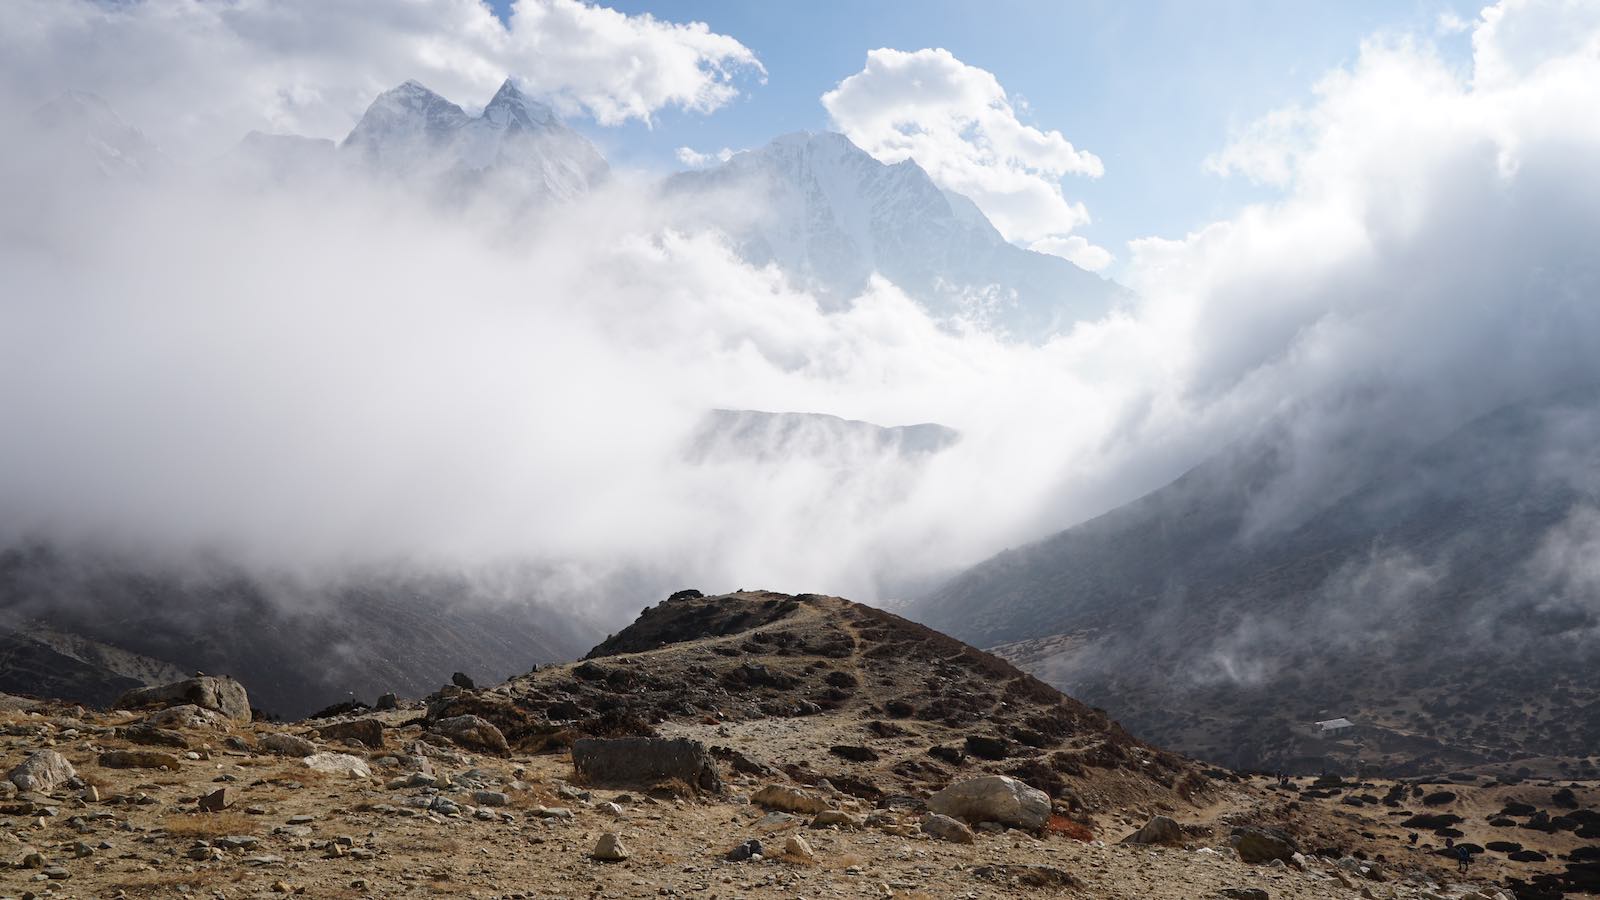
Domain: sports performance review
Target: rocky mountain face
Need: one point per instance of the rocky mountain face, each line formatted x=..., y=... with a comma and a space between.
x=830, y=215
x=85, y=134
x=300, y=647
x=744, y=434
x=783, y=745
x=516, y=148
x=1447, y=604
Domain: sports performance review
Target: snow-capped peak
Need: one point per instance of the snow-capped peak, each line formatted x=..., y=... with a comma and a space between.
x=510, y=107
x=88, y=129
x=517, y=144
x=832, y=215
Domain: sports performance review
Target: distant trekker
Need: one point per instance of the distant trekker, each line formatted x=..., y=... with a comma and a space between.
x=1463, y=858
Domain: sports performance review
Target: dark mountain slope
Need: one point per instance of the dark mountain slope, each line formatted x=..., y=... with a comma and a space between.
x=1449, y=604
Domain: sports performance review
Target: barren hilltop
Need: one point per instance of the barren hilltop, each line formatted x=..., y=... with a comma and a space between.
x=748, y=745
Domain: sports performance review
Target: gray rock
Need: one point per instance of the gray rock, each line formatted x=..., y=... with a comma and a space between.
x=1159, y=830
x=994, y=798
x=643, y=761
x=187, y=715
x=338, y=764
x=42, y=773
x=473, y=733
x=1260, y=845
x=610, y=848
x=788, y=799
x=223, y=695
x=286, y=744
x=138, y=759
x=490, y=798
x=367, y=732
x=946, y=829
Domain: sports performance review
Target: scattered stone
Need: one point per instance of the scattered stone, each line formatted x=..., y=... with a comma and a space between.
x=946, y=829
x=187, y=715
x=836, y=817
x=42, y=773
x=994, y=798
x=218, y=800
x=1260, y=845
x=473, y=733
x=797, y=849
x=788, y=799
x=1159, y=830
x=367, y=732
x=138, y=759
x=610, y=848
x=223, y=695
x=338, y=764
x=286, y=744
x=643, y=761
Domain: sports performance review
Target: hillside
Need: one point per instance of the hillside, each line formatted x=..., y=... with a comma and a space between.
x=1443, y=604
x=301, y=647
x=813, y=766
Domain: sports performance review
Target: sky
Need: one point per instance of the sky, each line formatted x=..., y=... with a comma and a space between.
x=1357, y=230
x=1153, y=88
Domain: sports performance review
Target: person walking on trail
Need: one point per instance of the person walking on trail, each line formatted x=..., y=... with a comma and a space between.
x=1463, y=859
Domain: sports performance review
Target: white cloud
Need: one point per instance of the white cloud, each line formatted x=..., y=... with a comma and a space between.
x=1424, y=262
x=203, y=74
x=1076, y=249
x=697, y=160
x=957, y=122
x=312, y=376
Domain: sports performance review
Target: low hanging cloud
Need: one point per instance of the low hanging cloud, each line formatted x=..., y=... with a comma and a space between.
x=694, y=159
x=959, y=124
x=197, y=76
x=324, y=376
x=1076, y=249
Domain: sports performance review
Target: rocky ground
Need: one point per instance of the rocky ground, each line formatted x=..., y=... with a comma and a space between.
x=864, y=756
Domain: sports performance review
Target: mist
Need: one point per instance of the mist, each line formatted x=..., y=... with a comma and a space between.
x=326, y=375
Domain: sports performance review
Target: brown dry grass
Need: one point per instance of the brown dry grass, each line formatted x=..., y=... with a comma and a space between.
x=208, y=825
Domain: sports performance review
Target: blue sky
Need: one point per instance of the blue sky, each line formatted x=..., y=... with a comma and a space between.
x=1152, y=88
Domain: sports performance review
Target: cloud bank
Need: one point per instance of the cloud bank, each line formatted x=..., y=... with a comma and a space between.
x=958, y=123
x=328, y=376
x=197, y=76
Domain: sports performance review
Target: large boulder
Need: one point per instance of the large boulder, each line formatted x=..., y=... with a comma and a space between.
x=367, y=732
x=1159, y=830
x=1262, y=845
x=644, y=761
x=286, y=744
x=788, y=799
x=338, y=764
x=994, y=798
x=42, y=772
x=946, y=829
x=138, y=759
x=187, y=715
x=224, y=695
x=473, y=733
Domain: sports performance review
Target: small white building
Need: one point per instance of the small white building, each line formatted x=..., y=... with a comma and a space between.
x=1335, y=726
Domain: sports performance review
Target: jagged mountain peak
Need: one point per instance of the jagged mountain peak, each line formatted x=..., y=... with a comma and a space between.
x=91, y=133
x=516, y=147
x=510, y=107
x=831, y=215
